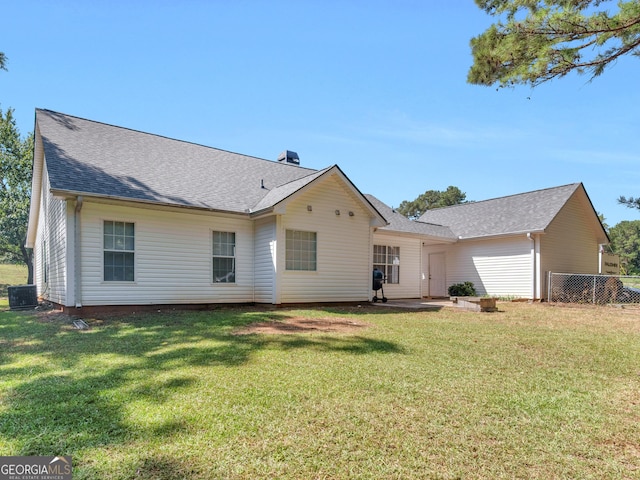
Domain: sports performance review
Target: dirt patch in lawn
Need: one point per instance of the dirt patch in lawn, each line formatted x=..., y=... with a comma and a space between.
x=290, y=325
x=46, y=315
x=303, y=325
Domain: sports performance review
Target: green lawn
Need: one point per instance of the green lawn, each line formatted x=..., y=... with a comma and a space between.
x=531, y=392
x=11, y=275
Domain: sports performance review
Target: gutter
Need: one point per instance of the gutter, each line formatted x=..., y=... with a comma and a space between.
x=114, y=199
x=423, y=237
x=503, y=235
x=36, y=189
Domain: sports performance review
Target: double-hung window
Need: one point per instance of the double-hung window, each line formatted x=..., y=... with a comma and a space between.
x=119, y=251
x=301, y=250
x=387, y=260
x=224, y=257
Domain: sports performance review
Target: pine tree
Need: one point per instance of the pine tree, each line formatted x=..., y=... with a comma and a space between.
x=534, y=41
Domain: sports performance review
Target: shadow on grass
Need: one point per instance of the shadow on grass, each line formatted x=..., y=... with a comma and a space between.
x=356, y=345
x=392, y=308
x=63, y=390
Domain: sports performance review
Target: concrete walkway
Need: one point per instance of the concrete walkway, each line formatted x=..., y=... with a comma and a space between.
x=417, y=303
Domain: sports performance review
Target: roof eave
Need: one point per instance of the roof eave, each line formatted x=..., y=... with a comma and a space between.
x=262, y=212
x=502, y=235
x=423, y=236
x=36, y=188
x=71, y=194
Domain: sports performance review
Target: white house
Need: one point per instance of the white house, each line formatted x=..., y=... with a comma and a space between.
x=122, y=217
x=507, y=246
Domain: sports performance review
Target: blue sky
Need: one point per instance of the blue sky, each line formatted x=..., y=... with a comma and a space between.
x=378, y=87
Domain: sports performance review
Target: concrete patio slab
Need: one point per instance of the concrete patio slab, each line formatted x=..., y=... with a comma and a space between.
x=417, y=303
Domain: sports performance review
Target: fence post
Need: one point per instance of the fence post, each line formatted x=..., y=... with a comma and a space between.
x=594, y=290
x=549, y=287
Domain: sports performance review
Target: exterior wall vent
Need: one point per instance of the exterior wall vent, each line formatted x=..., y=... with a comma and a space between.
x=289, y=157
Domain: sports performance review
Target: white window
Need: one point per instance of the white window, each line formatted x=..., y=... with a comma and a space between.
x=301, y=250
x=387, y=260
x=224, y=257
x=119, y=251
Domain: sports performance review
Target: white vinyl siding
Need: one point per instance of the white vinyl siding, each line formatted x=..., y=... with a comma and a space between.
x=343, y=246
x=265, y=260
x=498, y=267
x=38, y=253
x=570, y=245
x=52, y=235
x=408, y=285
x=505, y=267
x=173, y=258
x=174, y=252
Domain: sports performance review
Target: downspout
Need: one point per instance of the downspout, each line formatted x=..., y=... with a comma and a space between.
x=276, y=293
x=535, y=266
x=538, y=272
x=76, y=247
x=253, y=263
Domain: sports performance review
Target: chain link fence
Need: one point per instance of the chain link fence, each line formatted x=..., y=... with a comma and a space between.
x=597, y=289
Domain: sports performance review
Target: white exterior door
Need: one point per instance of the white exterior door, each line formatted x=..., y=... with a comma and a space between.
x=437, y=275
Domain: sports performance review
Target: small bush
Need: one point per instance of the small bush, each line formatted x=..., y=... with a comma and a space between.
x=465, y=289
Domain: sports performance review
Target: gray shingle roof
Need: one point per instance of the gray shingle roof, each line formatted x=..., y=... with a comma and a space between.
x=96, y=159
x=400, y=223
x=281, y=192
x=525, y=212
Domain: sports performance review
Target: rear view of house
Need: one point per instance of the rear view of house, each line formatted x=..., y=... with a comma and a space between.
x=507, y=246
x=121, y=217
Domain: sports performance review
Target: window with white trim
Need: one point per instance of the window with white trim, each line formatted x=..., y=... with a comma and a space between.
x=119, y=251
x=224, y=257
x=301, y=250
x=387, y=260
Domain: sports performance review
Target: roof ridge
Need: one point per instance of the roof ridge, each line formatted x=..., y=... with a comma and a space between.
x=276, y=189
x=427, y=223
x=312, y=170
x=469, y=202
x=312, y=173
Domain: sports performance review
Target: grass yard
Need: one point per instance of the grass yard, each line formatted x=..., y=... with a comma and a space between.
x=530, y=392
x=11, y=275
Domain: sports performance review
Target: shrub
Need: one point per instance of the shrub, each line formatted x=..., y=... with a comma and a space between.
x=465, y=289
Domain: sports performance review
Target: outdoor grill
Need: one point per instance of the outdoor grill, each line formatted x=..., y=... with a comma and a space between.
x=378, y=280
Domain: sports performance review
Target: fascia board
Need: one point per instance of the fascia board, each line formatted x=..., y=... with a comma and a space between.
x=36, y=188
x=131, y=202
